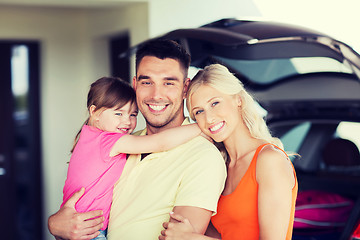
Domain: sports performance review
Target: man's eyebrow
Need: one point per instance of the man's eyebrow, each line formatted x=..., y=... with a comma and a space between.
x=171, y=78
x=141, y=77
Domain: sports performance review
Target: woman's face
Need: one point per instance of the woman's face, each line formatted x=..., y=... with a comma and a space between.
x=216, y=113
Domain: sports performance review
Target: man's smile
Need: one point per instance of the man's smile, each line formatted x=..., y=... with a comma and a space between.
x=157, y=108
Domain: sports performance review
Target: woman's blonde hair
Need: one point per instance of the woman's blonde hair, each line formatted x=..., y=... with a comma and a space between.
x=220, y=78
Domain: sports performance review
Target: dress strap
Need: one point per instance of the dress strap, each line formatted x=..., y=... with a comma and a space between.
x=265, y=144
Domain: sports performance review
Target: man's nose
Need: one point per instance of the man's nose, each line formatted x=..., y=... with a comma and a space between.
x=158, y=92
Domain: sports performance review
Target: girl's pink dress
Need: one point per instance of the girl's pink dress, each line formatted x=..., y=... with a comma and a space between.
x=91, y=167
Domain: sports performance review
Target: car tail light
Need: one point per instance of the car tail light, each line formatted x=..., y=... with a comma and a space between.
x=356, y=233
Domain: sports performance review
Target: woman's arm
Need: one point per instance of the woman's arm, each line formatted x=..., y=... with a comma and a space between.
x=158, y=142
x=180, y=228
x=276, y=179
x=69, y=224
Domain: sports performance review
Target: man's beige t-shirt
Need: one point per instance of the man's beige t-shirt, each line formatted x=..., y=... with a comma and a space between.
x=192, y=174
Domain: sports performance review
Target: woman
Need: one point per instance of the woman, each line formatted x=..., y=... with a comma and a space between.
x=258, y=201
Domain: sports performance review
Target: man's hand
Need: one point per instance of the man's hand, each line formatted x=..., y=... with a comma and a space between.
x=177, y=228
x=67, y=223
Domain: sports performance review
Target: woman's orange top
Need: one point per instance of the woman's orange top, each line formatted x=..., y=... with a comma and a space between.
x=237, y=213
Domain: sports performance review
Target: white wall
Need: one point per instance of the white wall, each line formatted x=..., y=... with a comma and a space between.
x=189, y=13
x=103, y=24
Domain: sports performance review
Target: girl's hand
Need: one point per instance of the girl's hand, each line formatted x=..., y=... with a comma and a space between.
x=178, y=230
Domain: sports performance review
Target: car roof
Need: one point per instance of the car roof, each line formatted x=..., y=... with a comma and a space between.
x=261, y=40
x=284, y=66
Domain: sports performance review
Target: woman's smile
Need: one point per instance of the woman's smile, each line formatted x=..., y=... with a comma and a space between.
x=216, y=127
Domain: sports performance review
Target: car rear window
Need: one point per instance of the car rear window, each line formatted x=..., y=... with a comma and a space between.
x=293, y=138
x=271, y=70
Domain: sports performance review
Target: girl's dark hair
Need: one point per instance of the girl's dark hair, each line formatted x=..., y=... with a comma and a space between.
x=108, y=92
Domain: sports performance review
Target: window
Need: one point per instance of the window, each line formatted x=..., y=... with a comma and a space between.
x=350, y=131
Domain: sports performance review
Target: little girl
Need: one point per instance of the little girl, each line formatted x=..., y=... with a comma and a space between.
x=99, y=153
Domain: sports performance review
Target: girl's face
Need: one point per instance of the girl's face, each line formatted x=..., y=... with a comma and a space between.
x=121, y=120
x=216, y=113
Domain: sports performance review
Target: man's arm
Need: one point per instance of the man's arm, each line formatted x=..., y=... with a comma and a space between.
x=201, y=187
x=180, y=228
x=198, y=217
x=67, y=223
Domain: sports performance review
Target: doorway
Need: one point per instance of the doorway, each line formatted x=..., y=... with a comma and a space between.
x=120, y=67
x=20, y=145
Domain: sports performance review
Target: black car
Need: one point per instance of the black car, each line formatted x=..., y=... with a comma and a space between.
x=309, y=86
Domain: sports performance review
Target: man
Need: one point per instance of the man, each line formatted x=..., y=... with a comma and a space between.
x=186, y=180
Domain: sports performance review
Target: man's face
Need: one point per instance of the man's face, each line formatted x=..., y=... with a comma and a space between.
x=160, y=87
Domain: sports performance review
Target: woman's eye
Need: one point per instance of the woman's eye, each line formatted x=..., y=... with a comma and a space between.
x=198, y=112
x=214, y=104
x=118, y=114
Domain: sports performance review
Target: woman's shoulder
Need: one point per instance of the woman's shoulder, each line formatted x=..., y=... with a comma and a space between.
x=272, y=154
x=273, y=162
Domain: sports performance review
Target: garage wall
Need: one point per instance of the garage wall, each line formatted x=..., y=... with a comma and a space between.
x=188, y=13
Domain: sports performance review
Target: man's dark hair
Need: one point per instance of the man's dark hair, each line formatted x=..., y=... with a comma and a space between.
x=164, y=48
